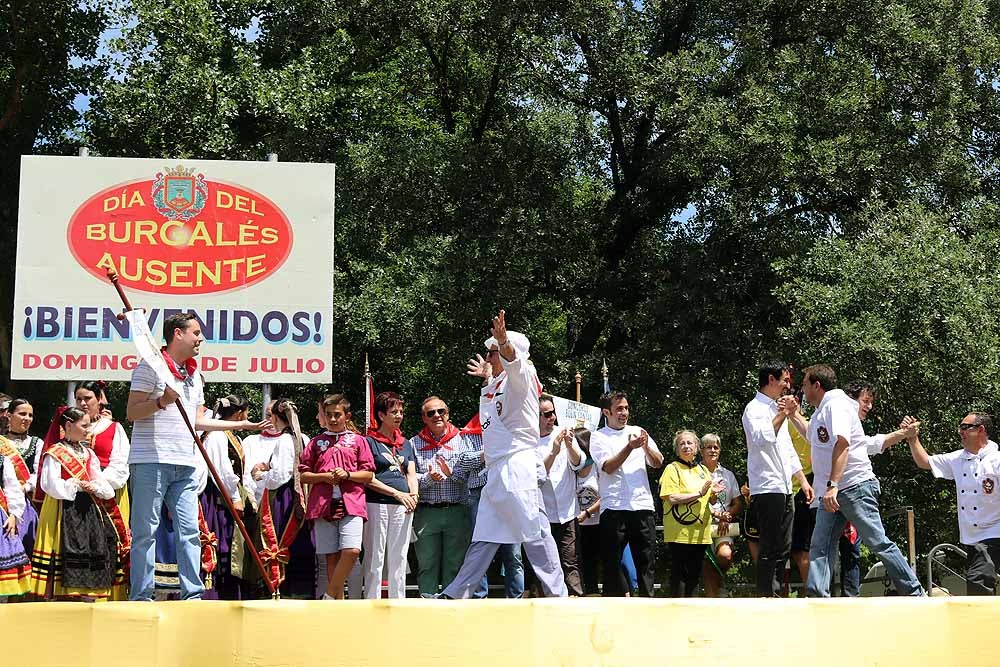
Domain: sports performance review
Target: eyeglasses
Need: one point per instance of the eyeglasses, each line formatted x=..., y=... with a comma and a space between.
x=968, y=427
x=548, y=413
x=435, y=413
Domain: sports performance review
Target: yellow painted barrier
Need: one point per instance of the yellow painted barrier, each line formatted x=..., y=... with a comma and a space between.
x=888, y=632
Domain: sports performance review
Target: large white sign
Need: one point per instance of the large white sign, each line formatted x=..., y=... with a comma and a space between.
x=246, y=246
x=574, y=415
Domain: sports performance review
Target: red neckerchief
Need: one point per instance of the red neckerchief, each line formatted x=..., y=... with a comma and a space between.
x=425, y=435
x=270, y=434
x=190, y=366
x=396, y=442
x=474, y=427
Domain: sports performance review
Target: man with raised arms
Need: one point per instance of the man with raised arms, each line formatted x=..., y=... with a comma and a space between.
x=510, y=509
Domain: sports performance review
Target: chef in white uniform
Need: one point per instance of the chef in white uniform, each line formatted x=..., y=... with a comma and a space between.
x=510, y=509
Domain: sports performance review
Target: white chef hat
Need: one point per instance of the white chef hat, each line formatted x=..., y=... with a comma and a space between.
x=518, y=340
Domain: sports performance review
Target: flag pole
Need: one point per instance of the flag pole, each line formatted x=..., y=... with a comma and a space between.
x=604, y=375
x=271, y=587
x=368, y=395
x=579, y=384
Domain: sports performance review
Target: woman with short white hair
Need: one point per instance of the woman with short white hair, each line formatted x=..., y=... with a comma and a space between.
x=687, y=491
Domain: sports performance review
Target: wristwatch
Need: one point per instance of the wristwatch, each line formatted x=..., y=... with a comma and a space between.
x=830, y=484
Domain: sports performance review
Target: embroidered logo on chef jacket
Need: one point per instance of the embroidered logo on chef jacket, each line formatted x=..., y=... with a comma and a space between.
x=823, y=434
x=987, y=485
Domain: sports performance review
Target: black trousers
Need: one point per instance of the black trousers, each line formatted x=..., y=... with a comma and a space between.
x=636, y=528
x=774, y=515
x=589, y=556
x=565, y=535
x=980, y=567
x=685, y=568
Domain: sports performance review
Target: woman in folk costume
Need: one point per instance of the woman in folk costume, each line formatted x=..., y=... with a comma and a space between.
x=111, y=444
x=24, y=451
x=271, y=475
x=510, y=508
x=15, y=569
x=225, y=451
x=81, y=535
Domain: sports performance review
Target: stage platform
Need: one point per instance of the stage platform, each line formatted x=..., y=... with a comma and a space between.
x=888, y=632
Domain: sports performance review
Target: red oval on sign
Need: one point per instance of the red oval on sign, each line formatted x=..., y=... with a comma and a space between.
x=179, y=233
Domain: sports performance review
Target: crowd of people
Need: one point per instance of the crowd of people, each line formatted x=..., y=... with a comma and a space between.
x=89, y=512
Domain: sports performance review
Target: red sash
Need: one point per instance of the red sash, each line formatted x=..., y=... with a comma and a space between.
x=9, y=451
x=209, y=542
x=276, y=553
x=78, y=471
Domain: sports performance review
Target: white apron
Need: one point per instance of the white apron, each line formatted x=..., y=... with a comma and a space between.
x=509, y=508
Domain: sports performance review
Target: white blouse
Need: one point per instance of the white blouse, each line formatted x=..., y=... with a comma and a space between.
x=278, y=451
x=21, y=442
x=217, y=446
x=12, y=490
x=66, y=489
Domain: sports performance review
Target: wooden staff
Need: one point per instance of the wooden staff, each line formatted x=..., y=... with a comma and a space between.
x=271, y=587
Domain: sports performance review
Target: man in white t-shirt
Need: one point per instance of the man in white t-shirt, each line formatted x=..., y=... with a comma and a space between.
x=976, y=471
x=562, y=458
x=842, y=468
x=622, y=453
x=163, y=457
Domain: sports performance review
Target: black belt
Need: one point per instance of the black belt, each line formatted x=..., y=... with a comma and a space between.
x=441, y=504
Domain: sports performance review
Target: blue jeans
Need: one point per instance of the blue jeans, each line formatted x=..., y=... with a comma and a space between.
x=859, y=505
x=153, y=485
x=509, y=554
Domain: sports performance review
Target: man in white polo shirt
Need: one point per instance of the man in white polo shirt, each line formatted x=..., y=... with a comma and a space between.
x=622, y=453
x=841, y=466
x=976, y=471
x=163, y=456
x=771, y=465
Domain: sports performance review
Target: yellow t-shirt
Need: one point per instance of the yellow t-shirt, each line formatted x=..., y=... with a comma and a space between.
x=804, y=450
x=689, y=523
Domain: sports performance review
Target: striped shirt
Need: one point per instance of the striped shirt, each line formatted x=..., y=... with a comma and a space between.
x=163, y=437
x=470, y=467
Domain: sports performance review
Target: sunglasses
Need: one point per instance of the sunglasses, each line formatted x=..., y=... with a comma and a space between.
x=548, y=413
x=968, y=427
x=435, y=413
